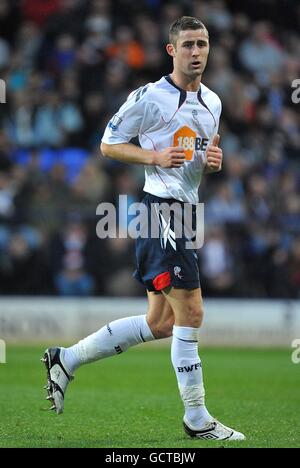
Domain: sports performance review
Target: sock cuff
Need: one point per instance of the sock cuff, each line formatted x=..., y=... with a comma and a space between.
x=146, y=332
x=186, y=333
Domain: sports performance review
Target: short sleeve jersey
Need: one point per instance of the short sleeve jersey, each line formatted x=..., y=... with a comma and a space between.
x=162, y=115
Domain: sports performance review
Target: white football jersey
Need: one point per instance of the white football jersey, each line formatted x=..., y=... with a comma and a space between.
x=161, y=114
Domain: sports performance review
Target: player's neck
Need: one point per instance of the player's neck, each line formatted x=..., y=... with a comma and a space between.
x=183, y=82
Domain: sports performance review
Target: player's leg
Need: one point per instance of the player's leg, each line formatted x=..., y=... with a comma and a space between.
x=160, y=316
x=119, y=335
x=187, y=306
x=112, y=339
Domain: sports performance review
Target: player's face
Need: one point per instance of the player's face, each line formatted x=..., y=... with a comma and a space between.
x=191, y=52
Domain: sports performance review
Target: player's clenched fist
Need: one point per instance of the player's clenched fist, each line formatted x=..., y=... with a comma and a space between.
x=170, y=157
x=214, y=156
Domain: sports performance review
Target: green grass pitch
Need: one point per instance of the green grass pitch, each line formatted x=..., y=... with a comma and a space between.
x=132, y=400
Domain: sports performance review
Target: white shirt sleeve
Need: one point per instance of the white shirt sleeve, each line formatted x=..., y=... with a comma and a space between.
x=133, y=118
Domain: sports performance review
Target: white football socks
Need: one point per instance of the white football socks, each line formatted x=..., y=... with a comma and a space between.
x=114, y=338
x=188, y=369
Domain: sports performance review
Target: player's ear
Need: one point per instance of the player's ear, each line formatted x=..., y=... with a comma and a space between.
x=170, y=49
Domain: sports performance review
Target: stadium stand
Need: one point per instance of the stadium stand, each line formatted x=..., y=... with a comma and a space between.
x=68, y=65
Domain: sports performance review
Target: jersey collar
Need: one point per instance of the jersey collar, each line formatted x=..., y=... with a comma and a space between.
x=183, y=93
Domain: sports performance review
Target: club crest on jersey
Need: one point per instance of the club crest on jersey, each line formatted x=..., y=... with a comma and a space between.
x=115, y=122
x=188, y=140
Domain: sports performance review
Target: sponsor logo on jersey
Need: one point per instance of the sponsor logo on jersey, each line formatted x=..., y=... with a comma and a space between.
x=188, y=140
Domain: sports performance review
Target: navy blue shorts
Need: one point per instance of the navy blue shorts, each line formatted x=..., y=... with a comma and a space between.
x=164, y=260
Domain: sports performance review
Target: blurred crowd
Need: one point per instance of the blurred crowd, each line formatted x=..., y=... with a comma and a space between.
x=68, y=65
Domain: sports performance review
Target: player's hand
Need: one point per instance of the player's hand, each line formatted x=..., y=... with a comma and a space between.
x=214, y=156
x=170, y=157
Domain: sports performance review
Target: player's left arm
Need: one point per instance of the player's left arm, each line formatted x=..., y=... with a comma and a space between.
x=214, y=156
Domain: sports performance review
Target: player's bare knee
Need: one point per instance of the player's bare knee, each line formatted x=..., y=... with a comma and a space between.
x=166, y=328
x=154, y=326
x=164, y=332
x=195, y=316
x=161, y=329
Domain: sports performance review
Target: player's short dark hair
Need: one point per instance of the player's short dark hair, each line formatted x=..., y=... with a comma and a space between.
x=182, y=24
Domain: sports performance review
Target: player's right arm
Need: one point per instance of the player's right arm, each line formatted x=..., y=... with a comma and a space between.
x=136, y=116
x=129, y=153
